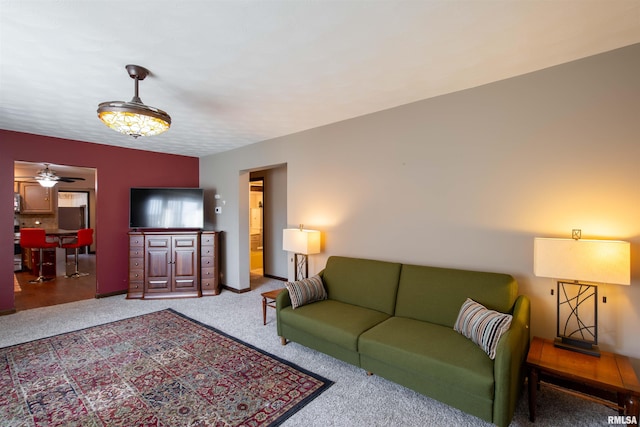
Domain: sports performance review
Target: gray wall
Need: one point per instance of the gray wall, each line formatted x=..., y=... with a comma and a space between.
x=468, y=180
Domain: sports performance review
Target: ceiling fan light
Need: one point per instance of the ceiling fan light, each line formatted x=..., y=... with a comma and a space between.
x=134, y=118
x=47, y=182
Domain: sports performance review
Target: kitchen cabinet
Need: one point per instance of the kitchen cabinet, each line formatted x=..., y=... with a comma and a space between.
x=36, y=199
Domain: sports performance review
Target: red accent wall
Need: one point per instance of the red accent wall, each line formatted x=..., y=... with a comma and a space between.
x=118, y=169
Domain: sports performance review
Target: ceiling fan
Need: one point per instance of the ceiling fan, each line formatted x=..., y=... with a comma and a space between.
x=48, y=178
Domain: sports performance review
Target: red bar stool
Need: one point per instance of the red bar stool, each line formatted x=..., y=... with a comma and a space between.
x=36, y=238
x=84, y=238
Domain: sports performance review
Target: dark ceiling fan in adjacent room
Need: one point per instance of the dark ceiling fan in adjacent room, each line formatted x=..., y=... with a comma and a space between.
x=48, y=177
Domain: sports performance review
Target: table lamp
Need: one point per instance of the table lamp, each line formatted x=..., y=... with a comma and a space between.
x=579, y=265
x=302, y=243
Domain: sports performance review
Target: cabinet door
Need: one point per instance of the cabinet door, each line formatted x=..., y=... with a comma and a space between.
x=36, y=198
x=185, y=263
x=157, y=272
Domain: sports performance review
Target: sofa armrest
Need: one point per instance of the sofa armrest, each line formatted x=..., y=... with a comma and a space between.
x=283, y=300
x=508, y=369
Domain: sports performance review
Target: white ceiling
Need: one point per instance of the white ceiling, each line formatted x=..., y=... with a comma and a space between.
x=232, y=73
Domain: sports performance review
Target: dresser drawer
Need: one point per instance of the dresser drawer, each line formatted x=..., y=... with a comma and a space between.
x=207, y=251
x=136, y=286
x=207, y=240
x=136, y=252
x=135, y=275
x=208, y=284
x=135, y=289
x=210, y=287
x=136, y=241
x=207, y=273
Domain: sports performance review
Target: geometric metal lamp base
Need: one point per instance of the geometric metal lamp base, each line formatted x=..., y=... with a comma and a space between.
x=577, y=346
x=577, y=318
x=301, y=266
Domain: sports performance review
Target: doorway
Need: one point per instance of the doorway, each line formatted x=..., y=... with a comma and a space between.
x=269, y=186
x=256, y=228
x=75, y=190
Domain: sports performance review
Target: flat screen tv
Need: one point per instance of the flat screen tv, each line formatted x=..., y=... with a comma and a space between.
x=166, y=208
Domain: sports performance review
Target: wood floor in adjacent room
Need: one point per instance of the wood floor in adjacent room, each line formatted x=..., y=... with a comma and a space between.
x=60, y=290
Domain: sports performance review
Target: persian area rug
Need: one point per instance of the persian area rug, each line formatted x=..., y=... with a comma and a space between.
x=158, y=369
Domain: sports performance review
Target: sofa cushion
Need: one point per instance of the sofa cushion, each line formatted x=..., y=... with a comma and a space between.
x=333, y=321
x=306, y=291
x=435, y=294
x=363, y=282
x=433, y=350
x=482, y=326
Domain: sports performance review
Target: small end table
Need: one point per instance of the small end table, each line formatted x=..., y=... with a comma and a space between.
x=269, y=300
x=609, y=373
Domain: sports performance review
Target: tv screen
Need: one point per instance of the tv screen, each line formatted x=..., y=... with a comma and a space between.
x=166, y=208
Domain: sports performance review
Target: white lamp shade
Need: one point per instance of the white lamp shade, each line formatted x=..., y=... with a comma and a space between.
x=595, y=261
x=301, y=241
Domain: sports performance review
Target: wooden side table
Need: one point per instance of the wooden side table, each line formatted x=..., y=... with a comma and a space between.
x=269, y=300
x=609, y=373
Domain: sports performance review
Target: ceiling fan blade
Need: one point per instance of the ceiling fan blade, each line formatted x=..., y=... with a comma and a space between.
x=49, y=174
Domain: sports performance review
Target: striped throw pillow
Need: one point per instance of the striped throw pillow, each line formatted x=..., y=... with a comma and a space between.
x=482, y=326
x=306, y=291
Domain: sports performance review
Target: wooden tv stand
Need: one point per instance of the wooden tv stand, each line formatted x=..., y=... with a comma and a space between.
x=173, y=264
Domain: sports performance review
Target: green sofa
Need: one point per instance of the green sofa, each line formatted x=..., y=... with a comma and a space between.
x=396, y=321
